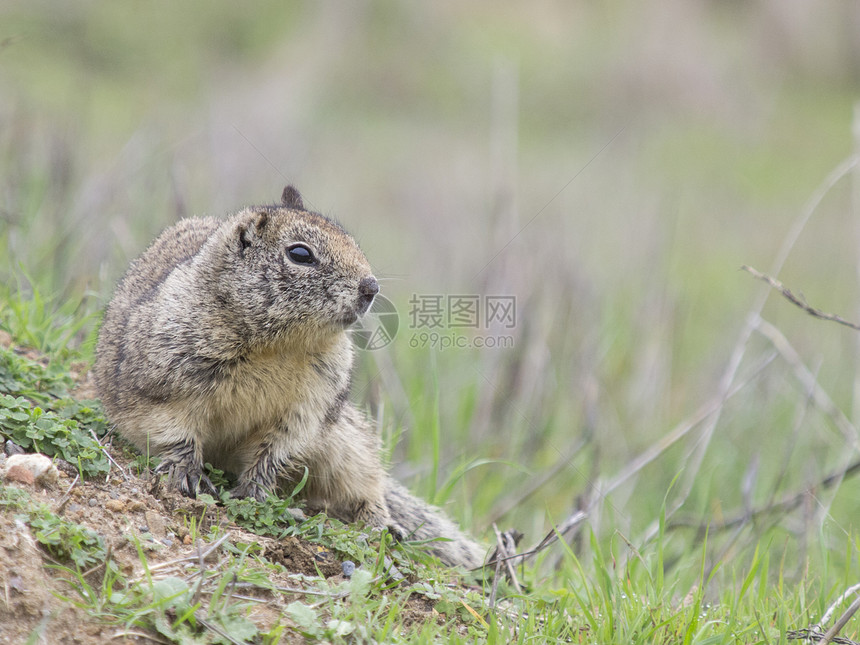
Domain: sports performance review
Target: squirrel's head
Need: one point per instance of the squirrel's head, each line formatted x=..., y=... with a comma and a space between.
x=296, y=271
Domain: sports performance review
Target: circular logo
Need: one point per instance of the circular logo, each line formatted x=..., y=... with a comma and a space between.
x=378, y=327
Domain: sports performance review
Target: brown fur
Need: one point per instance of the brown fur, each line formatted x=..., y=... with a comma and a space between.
x=217, y=346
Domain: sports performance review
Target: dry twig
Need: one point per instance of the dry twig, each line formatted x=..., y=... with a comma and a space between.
x=830, y=636
x=65, y=499
x=831, y=633
x=194, y=556
x=108, y=455
x=812, y=633
x=782, y=506
x=845, y=594
x=564, y=528
x=803, y=374
x=799, y=300
x=506, y=547
x=129, y=633
x=217, y=630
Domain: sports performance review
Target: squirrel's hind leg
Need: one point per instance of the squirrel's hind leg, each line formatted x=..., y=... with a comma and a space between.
x=347, y=477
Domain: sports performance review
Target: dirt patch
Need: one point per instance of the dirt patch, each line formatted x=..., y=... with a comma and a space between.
x=125, y=513
x=28, y=604
x=307, y=559
x=418, y=610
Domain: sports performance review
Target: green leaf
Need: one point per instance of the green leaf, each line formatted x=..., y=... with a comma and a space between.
x=305, y=617
x=336, y=628
x=238, y=628
x=168, y=588
x=359, y=584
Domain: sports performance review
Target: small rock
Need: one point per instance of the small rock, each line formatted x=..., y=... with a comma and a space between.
x=12, y=448
x=392, y=571
x=65, y=467
x=40, y=467
x=297, y=514
x=187, y=540
x=115, y=505
x=348, y=567
x=143, y=528
x=113, y=494
x=74, y=508
x=167, y=542
x=156, y=523
x=20, y=475
x=136, y=507
x=93, y=501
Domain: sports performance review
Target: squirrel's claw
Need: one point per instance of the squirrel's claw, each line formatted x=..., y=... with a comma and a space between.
x=185, y=477
x=250, y=488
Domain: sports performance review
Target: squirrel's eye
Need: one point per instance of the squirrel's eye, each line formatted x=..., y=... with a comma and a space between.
x=301, y=254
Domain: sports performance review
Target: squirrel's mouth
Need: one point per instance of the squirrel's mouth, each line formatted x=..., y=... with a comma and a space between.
x=361, y=307
x=367, y=290
x=349, y=319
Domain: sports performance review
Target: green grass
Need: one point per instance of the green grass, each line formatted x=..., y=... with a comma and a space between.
x=47, y=324
x=600, y=588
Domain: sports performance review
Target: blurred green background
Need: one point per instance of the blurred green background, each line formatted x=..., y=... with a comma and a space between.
x=611, y=165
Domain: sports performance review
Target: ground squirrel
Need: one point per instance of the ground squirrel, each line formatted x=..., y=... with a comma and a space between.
x=226, y=341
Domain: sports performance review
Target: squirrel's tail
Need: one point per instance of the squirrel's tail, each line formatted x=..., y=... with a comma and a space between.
x=421, y=521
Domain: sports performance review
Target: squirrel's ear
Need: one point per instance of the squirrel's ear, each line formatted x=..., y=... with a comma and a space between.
x=252, y=229
x=292, y=199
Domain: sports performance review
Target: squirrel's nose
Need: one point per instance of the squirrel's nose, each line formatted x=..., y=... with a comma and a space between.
x=368, y=287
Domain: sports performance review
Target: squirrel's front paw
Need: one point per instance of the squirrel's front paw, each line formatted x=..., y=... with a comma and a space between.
x=185, y=477
x=250, y=488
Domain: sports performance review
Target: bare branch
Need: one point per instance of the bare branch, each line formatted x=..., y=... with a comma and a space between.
x=507, y=546
x=810, y=385
x=65, y=499
x=799, y=301
x=811, y=633
x=829, y=613
x=563, y=529
x=831, y=633
x=781, y=506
